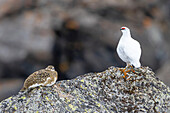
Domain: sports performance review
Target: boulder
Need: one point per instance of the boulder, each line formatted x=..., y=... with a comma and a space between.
x=105, y=91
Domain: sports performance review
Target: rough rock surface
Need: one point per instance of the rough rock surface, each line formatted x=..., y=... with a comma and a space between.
x=105, y=91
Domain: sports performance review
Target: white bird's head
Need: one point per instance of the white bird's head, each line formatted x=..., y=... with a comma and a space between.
x=125, y=30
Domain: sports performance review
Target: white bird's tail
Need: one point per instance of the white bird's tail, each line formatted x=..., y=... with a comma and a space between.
x=137, y=64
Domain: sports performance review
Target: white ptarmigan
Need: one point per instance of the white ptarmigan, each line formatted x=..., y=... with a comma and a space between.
x=128, y=49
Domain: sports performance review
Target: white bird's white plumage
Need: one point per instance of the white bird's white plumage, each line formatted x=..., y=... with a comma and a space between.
x=128, y=49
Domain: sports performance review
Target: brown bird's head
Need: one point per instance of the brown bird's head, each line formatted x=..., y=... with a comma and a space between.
x=50, y=68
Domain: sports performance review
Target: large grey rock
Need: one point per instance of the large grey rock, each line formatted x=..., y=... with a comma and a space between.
x=105, y=91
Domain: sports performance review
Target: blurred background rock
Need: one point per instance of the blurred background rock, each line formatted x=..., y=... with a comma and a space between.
x=78, y=36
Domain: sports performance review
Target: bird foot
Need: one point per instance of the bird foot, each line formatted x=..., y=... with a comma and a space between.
x=125, y=72
x=129, y=66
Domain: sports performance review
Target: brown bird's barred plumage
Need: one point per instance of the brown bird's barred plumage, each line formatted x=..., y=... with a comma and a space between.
x=43, y=77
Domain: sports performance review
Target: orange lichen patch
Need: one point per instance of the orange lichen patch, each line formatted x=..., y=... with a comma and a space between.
x=133, y=70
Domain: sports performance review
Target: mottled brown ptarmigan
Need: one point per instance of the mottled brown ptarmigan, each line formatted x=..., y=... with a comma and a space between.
x=43, y=77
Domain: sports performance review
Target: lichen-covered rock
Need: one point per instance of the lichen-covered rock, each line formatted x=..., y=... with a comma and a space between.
x=105, y=92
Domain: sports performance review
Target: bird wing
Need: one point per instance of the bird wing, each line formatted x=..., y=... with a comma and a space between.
x=36, y=77
x=132, y=50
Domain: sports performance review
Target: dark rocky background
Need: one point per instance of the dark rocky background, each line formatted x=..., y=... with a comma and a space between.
x=78, y=37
